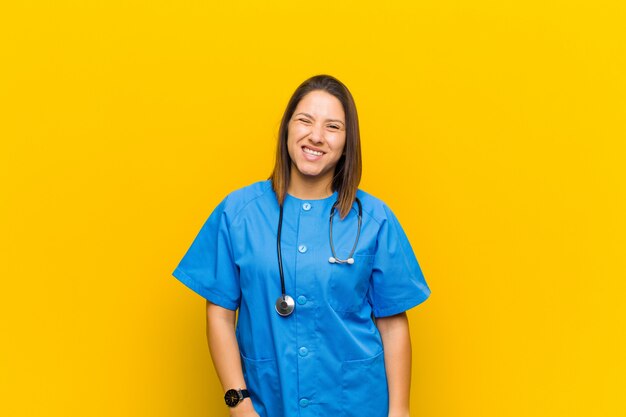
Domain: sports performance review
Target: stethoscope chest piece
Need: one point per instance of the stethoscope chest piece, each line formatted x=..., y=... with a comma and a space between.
x=285, y=305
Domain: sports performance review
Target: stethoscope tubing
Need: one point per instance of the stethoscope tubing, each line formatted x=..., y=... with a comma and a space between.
x=280, y=252
x=285, y=303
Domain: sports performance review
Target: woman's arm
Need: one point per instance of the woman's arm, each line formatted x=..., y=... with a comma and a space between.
x=220, y=330
x=394, y=331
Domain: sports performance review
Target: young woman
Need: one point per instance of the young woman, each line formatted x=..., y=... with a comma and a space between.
x=320, y=271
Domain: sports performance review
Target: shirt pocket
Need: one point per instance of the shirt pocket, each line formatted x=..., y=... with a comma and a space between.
x=261, y=378
x=349, y=283
x=364, y=388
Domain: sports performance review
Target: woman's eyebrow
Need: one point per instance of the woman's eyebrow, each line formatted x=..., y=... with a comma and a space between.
x=328, y=120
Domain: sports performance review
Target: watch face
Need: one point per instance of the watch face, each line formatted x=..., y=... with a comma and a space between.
x=231, y=397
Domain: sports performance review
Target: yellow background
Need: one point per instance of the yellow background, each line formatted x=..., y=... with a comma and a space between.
x=495, y=130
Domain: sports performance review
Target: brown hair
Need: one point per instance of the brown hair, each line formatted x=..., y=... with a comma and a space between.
x=348, y=170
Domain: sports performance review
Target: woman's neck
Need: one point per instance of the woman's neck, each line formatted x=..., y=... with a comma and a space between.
x=313, y=188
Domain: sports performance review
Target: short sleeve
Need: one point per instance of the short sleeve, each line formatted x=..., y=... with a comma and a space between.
x=397, y=281
x=208, y=267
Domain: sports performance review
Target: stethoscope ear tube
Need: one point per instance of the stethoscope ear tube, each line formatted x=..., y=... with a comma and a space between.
x=334, y=259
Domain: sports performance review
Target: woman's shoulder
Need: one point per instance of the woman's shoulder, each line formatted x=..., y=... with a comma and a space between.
x=238, y=199
x=373, y=206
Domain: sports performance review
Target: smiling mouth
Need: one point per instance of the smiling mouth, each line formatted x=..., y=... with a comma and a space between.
x=312, y=152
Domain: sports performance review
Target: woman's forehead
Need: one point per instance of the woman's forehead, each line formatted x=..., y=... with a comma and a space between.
x=319, y=103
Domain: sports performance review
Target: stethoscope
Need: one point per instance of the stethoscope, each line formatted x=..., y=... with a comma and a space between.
x=285, y=304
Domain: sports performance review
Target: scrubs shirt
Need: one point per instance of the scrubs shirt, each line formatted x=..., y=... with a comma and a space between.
x=327, y=357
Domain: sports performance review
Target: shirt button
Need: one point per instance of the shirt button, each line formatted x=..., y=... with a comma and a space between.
x=302, y=300
x=302, y=248
x=303, y=351
x=306, y=207
x=304, y=402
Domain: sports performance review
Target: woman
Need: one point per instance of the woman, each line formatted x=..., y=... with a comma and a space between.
x=320, y=287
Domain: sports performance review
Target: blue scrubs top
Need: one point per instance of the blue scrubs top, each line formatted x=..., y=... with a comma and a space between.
x=327, y=357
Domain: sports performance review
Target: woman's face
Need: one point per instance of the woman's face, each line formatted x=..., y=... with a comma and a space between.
x=316, y=135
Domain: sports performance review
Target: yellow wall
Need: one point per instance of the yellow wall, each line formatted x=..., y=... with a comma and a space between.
x=495, y=130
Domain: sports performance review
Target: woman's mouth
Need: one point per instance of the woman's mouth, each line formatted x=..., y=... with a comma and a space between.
x=312, y=152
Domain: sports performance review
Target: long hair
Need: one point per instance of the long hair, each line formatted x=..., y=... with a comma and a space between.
x=348, y=169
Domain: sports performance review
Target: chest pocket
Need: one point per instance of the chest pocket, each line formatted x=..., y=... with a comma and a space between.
x=349, y=284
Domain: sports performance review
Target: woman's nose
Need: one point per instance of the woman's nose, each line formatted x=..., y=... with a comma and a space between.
x=317, y=133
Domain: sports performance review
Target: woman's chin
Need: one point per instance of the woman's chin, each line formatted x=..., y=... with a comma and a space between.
x=308, y=172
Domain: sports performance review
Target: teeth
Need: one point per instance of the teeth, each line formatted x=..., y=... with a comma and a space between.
x=312, y=152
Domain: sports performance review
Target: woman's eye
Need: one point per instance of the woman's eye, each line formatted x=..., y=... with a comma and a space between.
x=334, y=127
x=305, y=121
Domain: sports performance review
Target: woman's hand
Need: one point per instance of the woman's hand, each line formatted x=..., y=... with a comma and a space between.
x=244, y=409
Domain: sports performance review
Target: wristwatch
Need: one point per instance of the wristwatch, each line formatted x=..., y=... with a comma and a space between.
x=235, y=396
